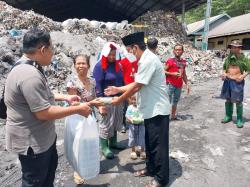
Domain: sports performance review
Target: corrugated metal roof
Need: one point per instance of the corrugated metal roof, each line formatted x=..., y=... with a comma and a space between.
x=196, y=26
x=235, y=25
x=103, y=10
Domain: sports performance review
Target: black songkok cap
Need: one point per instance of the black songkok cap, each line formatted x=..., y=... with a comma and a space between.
x=135, y=38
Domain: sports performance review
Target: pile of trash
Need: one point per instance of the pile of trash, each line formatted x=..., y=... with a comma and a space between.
x=109, y=30
x=161, y=24
x=66, y=47
x=14, y=18
x=81, y=36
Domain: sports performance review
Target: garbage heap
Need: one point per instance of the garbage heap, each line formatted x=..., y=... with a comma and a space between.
x=169, y=31
x=14, y=18
x=82, y=36
x=162, y=24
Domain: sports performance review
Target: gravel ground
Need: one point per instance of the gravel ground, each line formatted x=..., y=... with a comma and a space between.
x=204, y=152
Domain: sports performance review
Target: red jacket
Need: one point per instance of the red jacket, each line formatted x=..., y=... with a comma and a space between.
x=129, y=69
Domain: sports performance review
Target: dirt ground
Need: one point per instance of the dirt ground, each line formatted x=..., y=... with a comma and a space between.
x=204, y=152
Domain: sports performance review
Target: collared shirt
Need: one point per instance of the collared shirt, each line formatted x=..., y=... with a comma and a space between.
x=27, y=92
x=152, y=99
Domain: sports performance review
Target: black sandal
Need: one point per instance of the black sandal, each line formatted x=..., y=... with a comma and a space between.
x=175, y=119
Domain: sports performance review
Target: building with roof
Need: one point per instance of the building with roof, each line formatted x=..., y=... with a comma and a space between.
x=195, y=30
x=235, y=28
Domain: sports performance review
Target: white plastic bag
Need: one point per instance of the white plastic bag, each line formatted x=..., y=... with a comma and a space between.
x=81, y=142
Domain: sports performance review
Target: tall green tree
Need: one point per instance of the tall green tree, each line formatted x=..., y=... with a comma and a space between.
x=231, y=7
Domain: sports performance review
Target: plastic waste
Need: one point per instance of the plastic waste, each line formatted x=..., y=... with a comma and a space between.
x=81, y=142
x=14, y=32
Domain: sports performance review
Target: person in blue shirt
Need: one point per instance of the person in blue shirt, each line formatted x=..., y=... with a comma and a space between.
x=108, y=72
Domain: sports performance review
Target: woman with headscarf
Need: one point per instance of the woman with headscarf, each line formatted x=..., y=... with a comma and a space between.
x=108, y=72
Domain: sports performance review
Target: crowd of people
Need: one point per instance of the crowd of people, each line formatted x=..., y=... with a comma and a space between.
x=138, y=87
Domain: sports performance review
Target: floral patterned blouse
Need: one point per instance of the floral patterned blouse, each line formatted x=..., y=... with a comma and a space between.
x=85, y=94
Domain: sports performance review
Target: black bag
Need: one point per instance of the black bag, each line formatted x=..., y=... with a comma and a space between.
x=3, y=108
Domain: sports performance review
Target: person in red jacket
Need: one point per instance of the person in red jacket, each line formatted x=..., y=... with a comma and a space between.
x=175, y=76
x=129, y=69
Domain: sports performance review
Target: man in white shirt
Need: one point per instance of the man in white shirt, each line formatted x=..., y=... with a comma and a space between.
x=153, y=103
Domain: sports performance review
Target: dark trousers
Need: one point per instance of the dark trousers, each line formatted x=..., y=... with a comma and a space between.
x=157, y=147
x=38, y=170
x=124, y=113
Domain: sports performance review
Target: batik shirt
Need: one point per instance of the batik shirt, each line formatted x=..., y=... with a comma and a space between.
x=85, y=94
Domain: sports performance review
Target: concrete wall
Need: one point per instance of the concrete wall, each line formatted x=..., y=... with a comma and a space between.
x=223, y=42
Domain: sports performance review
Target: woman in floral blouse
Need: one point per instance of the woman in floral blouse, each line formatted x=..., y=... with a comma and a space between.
x=83, y=86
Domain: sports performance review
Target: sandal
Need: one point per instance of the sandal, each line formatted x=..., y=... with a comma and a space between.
x=153, y=183
x=141, y=173
x=175, y=119
x=77, y=179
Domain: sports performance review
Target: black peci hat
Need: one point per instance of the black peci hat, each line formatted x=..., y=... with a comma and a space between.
x=135, y=38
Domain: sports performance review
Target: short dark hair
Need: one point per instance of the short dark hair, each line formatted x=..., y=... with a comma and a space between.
x=35, y=38
x=81, y=55
x=180, y=45
x=142, y=46
x=152, y=43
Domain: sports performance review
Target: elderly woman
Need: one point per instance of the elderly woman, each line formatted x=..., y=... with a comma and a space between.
x=108, y=72
x=83, y=86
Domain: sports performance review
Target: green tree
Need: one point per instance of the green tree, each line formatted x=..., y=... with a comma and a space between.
x=231, y=7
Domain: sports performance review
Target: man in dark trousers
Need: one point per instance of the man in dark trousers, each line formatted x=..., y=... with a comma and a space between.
x=153, y=103
x=31, y=111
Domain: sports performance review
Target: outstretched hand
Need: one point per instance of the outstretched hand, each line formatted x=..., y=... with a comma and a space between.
x=72, y=99
x=96, y=102
x=111, y=90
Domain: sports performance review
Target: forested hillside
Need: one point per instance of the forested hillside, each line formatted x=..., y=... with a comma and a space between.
x=231, y=7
